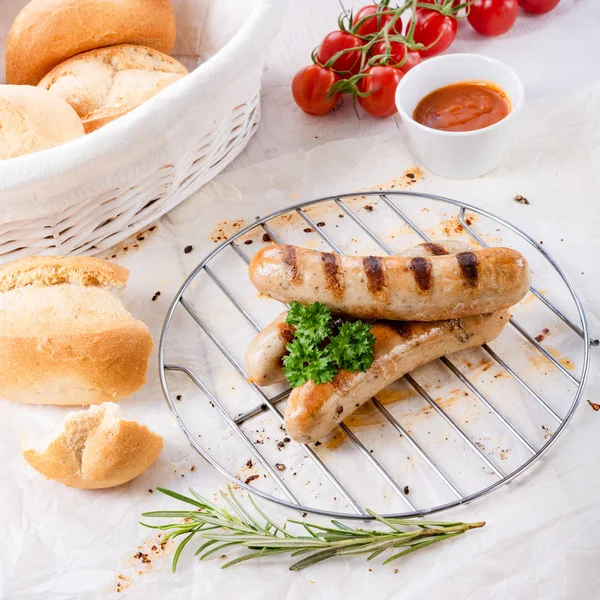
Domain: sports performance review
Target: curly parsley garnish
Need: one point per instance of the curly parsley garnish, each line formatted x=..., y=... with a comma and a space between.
x=316, y=354
x=352, y=347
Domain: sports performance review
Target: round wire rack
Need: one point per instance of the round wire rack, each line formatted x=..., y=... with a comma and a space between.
x=373, y=470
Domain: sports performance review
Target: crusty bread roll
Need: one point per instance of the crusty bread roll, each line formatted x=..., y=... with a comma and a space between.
x=96, y=449
x=32, y=119
x=104, y=84
x=65, y=337
x=48, y=32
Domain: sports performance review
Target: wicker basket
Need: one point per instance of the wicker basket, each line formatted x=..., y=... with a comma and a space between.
x=94, y=192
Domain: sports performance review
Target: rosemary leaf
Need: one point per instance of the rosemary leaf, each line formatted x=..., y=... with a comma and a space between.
x=420, y=545
x=216, y=549
x=376, y=553
x=246, y=515
x=267, y=519
x=180, y=497
x=313, y=559
x=179, y=550
x=204, y=546
x=174, y=514
x=250, y=556
x=207, y=503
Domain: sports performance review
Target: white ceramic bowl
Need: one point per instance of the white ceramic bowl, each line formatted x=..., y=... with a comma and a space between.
x=459, y=154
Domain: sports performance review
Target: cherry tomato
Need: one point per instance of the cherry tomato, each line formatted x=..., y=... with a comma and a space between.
x=538, y=7
x=310, y=86
x=434, y=29
x=382, y=81
x=397, y=52
x=374, y=23
x=493, y=17
x=348, y=63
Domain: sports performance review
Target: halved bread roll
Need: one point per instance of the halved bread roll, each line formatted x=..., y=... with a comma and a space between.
x=96, y=449
x=107, y=83
x=65, y=337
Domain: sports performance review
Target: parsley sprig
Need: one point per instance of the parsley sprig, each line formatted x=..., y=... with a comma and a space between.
x=317, y=353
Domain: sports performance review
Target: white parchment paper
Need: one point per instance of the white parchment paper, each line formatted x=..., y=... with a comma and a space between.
x=541, y=540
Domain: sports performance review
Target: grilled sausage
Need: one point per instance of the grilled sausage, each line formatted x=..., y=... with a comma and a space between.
x=313, y=410
x=265, y=354
x=395, y=287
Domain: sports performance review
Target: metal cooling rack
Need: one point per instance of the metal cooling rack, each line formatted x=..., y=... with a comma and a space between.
x=265, y=403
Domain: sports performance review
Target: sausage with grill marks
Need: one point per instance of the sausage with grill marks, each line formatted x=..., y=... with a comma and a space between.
x=314, y=410
x=410, y=288
x=265, y=354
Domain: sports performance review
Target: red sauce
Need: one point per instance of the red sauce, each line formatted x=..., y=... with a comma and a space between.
x=464, y=106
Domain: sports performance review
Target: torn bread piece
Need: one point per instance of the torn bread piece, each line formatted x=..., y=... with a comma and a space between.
x=65, y=337
x=96, y=449
x=54, y=270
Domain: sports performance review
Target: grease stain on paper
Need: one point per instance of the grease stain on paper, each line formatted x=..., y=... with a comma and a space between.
x=409, y=178
x=223, y=230
x=130, y=245
x=541, y=363
x=150, y=554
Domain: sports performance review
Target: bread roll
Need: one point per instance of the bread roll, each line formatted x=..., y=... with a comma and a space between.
x=65, y=338
x=96, y=449
x=32, y=119
x=104, y=84
x=48, y=32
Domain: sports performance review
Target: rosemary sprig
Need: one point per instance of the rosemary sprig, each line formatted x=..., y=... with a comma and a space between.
x=235, y=525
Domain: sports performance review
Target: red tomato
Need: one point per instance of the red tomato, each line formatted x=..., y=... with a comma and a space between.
x=434, y=29
x=310, y=86
x=348, y=63
x=374, y=23
x=382, y=81
x=397, y=52
x=538, y=7
x=493, y=17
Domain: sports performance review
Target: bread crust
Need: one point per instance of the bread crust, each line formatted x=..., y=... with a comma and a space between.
x=75, y=369
x=52, y=270
x=48, y=32
x=111, y=451
x=104, y=84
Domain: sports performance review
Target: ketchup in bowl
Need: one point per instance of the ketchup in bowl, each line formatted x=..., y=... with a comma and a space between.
x=464, y=106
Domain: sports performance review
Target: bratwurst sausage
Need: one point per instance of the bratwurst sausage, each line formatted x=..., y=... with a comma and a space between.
x=313, y=410
x=265, y=354
x=394, y=287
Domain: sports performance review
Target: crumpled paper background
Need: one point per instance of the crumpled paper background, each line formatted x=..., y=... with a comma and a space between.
x=541, y=540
